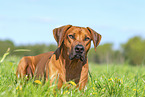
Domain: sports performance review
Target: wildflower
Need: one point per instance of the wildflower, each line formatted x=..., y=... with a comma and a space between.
x=37, y=81
x=134, y=89
x=103, y=89
x=121, y=80
x=66, y=92
x=94, y=88
x=73, y=83
x=94, y=93
x=19, y=87
x=110, y=79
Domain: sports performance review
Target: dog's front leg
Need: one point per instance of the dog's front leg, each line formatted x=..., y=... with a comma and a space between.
x=84, y=77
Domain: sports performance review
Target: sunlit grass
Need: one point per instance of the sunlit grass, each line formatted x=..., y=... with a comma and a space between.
x=106, y=80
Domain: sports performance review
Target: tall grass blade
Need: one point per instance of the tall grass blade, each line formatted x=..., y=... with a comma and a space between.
x=4, y=56
x=22, y=50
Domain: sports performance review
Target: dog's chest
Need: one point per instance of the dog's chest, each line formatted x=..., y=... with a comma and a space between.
x=73, y=72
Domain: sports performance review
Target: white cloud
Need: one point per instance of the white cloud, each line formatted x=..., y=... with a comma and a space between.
x=33, y=0
x=134, y=30
x=9, y=19
x=42, y=19
x=104, y=27
x=29, y=19
x=2, y=18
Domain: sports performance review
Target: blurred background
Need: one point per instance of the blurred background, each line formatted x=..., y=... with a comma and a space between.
x=28, y=24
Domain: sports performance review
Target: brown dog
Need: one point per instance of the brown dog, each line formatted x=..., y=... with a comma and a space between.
x=68, y=62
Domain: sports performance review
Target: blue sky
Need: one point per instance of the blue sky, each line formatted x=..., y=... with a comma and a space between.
x=32, y=21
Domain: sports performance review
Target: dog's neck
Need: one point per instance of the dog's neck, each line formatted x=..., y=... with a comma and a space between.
x=72, y=68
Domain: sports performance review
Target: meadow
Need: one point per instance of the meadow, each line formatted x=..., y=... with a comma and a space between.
x=119, y=80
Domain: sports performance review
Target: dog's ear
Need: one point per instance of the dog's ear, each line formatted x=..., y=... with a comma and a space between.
x=59, y=34
x=96, y=37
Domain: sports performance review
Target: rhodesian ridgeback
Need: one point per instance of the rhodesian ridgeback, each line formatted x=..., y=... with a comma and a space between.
x=68, y=62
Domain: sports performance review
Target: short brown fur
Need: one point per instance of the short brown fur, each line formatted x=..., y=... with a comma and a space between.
x=65, y=63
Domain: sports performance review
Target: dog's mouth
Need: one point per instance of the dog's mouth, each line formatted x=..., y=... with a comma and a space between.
x=78, y=52
x=76, y=56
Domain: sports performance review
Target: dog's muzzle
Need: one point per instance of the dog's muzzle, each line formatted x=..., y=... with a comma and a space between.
x=78, y=53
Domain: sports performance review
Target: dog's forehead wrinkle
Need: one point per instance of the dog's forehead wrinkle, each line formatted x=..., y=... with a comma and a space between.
x=81, y=35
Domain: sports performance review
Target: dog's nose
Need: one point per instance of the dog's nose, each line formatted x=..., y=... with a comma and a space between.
x=79, y=49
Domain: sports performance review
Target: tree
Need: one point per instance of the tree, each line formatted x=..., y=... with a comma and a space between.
x=35, y=49
x=4, y=45
x=103, y=54
x=134, y=51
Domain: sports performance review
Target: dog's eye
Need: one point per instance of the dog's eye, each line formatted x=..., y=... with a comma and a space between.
x=87, y=38
x=71, y=36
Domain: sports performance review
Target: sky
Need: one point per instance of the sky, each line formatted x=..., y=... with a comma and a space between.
x=32, y=21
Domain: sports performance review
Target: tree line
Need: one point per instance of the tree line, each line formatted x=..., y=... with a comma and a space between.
x=132, y=52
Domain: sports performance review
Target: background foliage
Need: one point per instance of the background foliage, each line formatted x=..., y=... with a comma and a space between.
x=132, y=52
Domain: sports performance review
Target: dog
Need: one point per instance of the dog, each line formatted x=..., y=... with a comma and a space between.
x=68, y=62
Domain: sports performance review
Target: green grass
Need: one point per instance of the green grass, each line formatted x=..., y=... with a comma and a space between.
x=107, y=80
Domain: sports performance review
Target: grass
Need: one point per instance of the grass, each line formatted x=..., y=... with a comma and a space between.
x=107, y=80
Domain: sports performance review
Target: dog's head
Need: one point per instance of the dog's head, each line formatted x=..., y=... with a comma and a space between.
x=76, y=40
